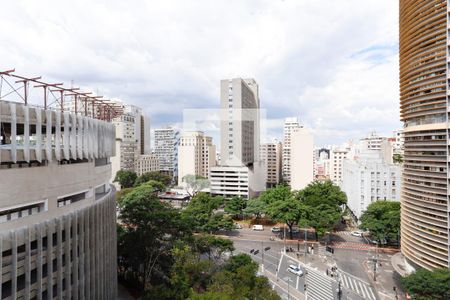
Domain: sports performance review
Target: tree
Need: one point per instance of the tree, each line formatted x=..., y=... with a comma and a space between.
x=195, y=184
x=201, y=214
x=322, y=218
x=156, y=176
x=285, y=207
x=280, y=192
x=382, y=219
x=235, y=206
x=428, y=285
x=255, y=207
x=317, y=193
x=212, y=245
x=125, y=178
x=147, y=235
x=397, y=158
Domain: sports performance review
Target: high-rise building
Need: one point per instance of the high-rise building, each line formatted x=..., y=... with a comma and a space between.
x=424, y=107
x=57, y=208
x=239, y=101
x=337, y=157
x=166, y=150
x=239, y=130
x=132, y=138
x=270, y=154
x=290, y=124
x=196, y=155
x=302, y=158
x=369, y=177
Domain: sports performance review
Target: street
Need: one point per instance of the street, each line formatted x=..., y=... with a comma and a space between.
x=351, y=258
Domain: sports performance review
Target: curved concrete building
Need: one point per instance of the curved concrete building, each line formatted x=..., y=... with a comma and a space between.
x=57, y=210
x=424, y=88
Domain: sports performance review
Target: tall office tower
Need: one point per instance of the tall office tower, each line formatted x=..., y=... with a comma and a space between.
x=126, y=145
x=290, y=124
x=196, y=155
x=369, y=177
x=302, y=158
x=270, y=153
x=239, y=128
x=132, y=137
x=166, y=150
x=337, y=157
x=424, y=88
x=57, y=209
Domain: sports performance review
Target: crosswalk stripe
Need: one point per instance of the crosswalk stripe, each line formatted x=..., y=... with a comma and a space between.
x=371, y=293
x=362, y=289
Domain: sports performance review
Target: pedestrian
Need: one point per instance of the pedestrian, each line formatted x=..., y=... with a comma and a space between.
x=327, y=272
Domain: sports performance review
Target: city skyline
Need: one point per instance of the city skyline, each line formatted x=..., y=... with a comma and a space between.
x=158, y=63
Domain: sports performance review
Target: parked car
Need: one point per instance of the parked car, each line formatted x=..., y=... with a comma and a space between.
x=238, y=226
x=356, y=233
x=295, y=270
x=258, y=227
x=276, y=229
x=294, y=230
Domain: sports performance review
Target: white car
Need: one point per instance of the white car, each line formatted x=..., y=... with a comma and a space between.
x=356, y=233
x=258, y=227
x=295, y=270
x=238, y=226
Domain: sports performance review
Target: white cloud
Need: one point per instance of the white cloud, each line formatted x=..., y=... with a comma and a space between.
x=332, y=63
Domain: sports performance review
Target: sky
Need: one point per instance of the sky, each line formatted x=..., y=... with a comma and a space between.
x=332, y=63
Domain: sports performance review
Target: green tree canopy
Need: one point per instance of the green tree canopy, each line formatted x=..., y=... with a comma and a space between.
x=235, y=206
x=148, y=229
x=322, y=218
x=318, y=193
x=428, y=285
x=285, y=208
x=255, y=207
x=201, y=214
x=382, y=219
x=280, y=192
x=155, y=176
x=125, y=178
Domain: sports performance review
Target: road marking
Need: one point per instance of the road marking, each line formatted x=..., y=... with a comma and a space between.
x=362, y=289
x=351, y=283
x=371, y=293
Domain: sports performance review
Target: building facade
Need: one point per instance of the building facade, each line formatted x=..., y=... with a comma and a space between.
x=270, y=154
x=166, y=150
x=337, y=157
x=239, y=135
x=369, y=177
x=57, y=208
x=424, y=87
x=290, y=124
x=146, y=163
x=302, y=158
x=196, y=155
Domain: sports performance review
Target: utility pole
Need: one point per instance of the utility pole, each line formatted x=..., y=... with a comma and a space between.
x=284, y=237
x=262, y=255
x=306, y=244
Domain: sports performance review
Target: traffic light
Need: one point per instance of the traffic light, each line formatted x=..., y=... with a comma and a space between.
x=329, y=249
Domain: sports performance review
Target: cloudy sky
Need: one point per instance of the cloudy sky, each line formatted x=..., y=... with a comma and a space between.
x=332, y=63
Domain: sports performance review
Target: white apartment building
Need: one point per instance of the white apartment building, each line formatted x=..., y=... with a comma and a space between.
x=373, y=141
x=166, y=150
x=399, y=141
x=337, y=157
x=230, y=181
x=302, y=158
x=146, y=163
x=239, y=101
x=196, y=155
x=270, y=154
x=368, y=178
x=290, y=124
